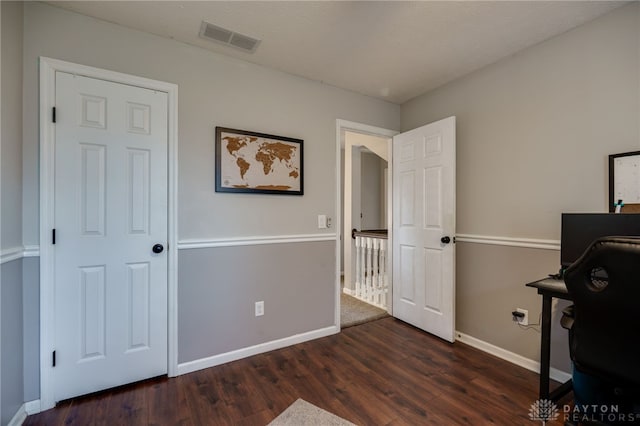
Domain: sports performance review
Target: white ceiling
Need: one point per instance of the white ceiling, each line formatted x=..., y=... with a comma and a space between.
x=392, y=50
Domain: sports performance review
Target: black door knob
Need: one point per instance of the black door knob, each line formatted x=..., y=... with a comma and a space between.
x=445, y=240
x=158, y=248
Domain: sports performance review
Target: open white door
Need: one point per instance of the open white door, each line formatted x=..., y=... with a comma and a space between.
x=111, y=225
x=424, y=227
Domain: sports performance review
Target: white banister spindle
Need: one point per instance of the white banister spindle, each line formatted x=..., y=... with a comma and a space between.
x=383, y=283
x=363, y=266
x=375, y=276
x=371, y=281
x=367, y=268
x=357, y=274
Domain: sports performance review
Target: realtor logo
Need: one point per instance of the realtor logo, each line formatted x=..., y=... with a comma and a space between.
x=543, y=410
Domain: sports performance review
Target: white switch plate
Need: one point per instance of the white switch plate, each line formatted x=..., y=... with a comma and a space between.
x=260, y=308
x=322, y=221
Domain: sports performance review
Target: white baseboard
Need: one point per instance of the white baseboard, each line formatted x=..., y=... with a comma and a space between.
x=26, y=409
x=199, y=364
x=32, y=407
x=348, y=291
x=19, y=417
x=529, y=364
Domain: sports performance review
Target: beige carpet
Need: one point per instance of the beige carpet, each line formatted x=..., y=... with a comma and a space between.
x=302, y=413
x=354, y=311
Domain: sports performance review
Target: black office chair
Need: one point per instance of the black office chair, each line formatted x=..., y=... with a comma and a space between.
x=604, y=322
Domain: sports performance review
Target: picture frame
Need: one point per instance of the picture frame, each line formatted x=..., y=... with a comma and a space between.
x=624, y=181
x=259, y=163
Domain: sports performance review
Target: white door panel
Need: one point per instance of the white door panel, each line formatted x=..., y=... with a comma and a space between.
x=424, y=213
x=110, y=209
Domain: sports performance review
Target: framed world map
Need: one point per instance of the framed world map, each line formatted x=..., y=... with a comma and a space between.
x=258, y=163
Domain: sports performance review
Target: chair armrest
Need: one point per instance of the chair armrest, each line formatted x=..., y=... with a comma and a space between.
x=567, y=317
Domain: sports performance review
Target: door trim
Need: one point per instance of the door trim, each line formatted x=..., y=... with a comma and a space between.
x=48, y=68
x=341, y=127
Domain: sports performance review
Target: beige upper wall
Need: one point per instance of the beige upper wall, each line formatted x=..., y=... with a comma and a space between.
x=11, y=125
x=535, y=129
x=372, y=170
x=214, y=90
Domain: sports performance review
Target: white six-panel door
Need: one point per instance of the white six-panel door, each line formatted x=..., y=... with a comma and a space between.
x=110, y=210
x=423, y=219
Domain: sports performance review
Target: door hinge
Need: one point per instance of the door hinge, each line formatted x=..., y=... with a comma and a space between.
x=53, y=356
x=53, y=115
x=53, y=236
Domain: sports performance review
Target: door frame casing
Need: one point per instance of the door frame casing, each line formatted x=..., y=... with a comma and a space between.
x=343, y=126
x=48, y=69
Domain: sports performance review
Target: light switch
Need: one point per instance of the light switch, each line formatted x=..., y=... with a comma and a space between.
x=322, y=221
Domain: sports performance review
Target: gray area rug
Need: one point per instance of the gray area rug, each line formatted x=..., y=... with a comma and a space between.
x=303, y=413
x=354, y=311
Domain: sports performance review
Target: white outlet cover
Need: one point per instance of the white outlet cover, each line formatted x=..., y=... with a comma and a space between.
x=259, y=309
x=525, y=320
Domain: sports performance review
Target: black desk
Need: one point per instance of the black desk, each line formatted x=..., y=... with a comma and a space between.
x=549, y=288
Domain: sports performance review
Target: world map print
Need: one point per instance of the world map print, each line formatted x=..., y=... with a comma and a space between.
x=259, y=163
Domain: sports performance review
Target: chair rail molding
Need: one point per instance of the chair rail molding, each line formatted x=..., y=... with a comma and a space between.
x=31, y=251
x=509, y=241
x=188, y=244
x=12, y=253
x=18, y=252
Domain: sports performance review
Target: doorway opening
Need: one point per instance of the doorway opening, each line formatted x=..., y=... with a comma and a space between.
x=415, y=280
x=366, y=274
x=364, y=278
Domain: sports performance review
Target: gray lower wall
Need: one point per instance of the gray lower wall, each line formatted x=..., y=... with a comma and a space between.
x=11, y=365
x=217, y=289
x=490, y=284
x=219, y=286
x=31, y=326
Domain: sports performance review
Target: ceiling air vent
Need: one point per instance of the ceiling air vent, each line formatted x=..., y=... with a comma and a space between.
x=222, y=35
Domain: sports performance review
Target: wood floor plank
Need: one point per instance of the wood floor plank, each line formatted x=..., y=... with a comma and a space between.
x=342, y=377
x=205, y=402
x=127, y=406
x=400, y=391
x=53, y=417
x=381, y=373
x=168, y=403
x=84, y=411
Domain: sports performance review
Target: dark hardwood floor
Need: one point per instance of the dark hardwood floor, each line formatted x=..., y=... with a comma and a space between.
x=380, y=373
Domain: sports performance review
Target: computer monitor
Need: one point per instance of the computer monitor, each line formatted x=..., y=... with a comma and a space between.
x=579, y=230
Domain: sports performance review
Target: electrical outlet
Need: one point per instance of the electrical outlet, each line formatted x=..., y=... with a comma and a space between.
x=259, y=308
x=522, y=320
